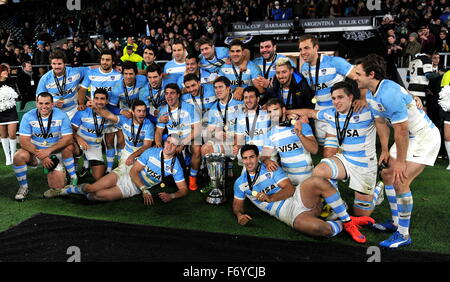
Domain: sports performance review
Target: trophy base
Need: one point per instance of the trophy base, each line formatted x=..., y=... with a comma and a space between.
x=216, y=197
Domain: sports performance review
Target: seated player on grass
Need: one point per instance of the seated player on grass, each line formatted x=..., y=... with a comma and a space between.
x=300, y=207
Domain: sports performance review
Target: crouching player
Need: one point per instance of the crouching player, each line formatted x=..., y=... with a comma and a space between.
x=300, y=207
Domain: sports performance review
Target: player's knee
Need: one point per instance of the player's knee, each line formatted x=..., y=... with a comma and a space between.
x=20, y=156
x=319, y=170
x=89, y=188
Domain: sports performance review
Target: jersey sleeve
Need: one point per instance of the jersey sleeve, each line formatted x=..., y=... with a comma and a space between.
x=66, y=127
x=114, y=98
x=25, y=126
x=255, y=71
x=178, y=176
x=76, y=120
x=395, y=107
x=279, y=175
x=144, y=157
x=86, y=80
x=41, y=85
x=342, y=66
x=307, y=130
x=238, y=193
x=150, y=133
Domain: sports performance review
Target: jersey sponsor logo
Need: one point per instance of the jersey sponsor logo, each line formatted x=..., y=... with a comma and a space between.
x=40, y=135
x=256, y=133
x=288, y=147
x=268, y=189
x=131, y=140
x=152, y=173
x=91, y=130
x=320, y=86
x=352, y=133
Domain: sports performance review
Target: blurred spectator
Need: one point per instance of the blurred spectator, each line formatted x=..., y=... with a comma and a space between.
x=413, y=46
x=130, y=55
x=27, y=82
x=97, y=50
x=427, y=40
x=80, y=56
x=41, y=58
x=442, y=42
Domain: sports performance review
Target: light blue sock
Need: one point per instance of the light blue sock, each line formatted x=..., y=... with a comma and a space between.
x=405, y=206
x=337, y=204
x=336, y=227
x=110, y=153
x=21, y=175
x=69, y=163
x=392, y=199
x=193, y=172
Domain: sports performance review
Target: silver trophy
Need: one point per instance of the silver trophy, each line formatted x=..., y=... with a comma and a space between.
x=216, y=164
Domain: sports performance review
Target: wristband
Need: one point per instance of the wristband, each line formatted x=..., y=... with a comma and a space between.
x=146, y=192
x=143, y=188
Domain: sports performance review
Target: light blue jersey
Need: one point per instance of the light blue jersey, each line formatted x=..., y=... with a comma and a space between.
x=96, y=78
x=295, y=159
x=267, y=183
x=238, y=80
x=173, y=70
x=151, y=174
x=209, y=97
x=213, y=66
x=394, y=103
x=147, y=133
x=205, y=79
x=60, y=126
x=153, y=98
x=268, y=67
x=261, y=129
x=64, y=87
x=84, y=120
x=123, y=96
x=359, y=142
x=331, y=71
x=235, y=107
x=181, y=120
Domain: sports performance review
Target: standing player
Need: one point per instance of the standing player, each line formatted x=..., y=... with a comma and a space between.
x=211, y=58
x=293, y=143
x=322, y=72
x=177, y=66
x=103, y=77
x=45, y=132
x=354, y=151
x=273, y=193
x=240, y=78
x=153, y=93
x=62, y=83
x=180, y=118
x=417, y=143
x=268, y=61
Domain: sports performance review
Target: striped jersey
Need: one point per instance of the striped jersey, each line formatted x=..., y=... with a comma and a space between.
x=235, y=107
x=173, y=70
x=266, y=182
x=123, y=96
x=84, y=120
x=332, y=70
x=130, y=135
x=209, y=97
x=393, y=102
x=180, y=121
x=59, y=127
x=151, y=173
x=268, y=68
x=64, y=87
x=294, y=158
x=213, y=66
x=154, y=98
x=262, y=126
x=238, y=80
x=360, y=136
x=96, y=78
x=205, y=78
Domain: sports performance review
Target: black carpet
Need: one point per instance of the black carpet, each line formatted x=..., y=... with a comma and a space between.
x=46, y=237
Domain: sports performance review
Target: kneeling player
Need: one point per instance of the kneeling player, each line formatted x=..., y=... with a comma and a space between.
x=273, y=192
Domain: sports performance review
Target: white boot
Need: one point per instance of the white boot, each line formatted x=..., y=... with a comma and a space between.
x=12, y=148
x=5, y=145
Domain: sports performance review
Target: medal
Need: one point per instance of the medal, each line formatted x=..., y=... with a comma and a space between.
x=340, y=134
x=254, y=193
x=44, y=143
x=293, y=121
x=162, y=185
x=44, y=132
x=314, y=100
x=98, y=140
x=339, y=150
x=225, y=128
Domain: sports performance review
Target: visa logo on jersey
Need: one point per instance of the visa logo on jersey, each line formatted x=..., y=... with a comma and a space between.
x=288, y=147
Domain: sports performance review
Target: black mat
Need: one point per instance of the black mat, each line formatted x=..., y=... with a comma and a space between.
x=46, y=237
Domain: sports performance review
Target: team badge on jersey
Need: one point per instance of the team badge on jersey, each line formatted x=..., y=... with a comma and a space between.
x=356, y=118
x=323, y=71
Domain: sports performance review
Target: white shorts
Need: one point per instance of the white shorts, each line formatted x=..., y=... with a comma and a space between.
x=124, y=182
x=94, y=153
x=292, y=207
x=123, y=157
x=423, y=148
x=362, y=179
x=59, y=167
x=322, y=127
x=297, y=179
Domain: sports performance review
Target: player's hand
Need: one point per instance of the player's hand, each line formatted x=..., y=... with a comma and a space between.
x=158, y=145
x=399, y=172
x=148, y=198
x=418, y=103
x=262, y=197
x=179, y=149
x=83, y=144
x=164, y=119
x=43, y=153
x=165, y=197
x=271, y=165
x=384, y=157
x=243, y=219
x=47, y=163
x=59, y=103
x=298, y=127
x=238, y=93
x=359, y=105
x=235, y=150
x=81, y=107
x=129, y=161
x=156, y=113
x=126, y=113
